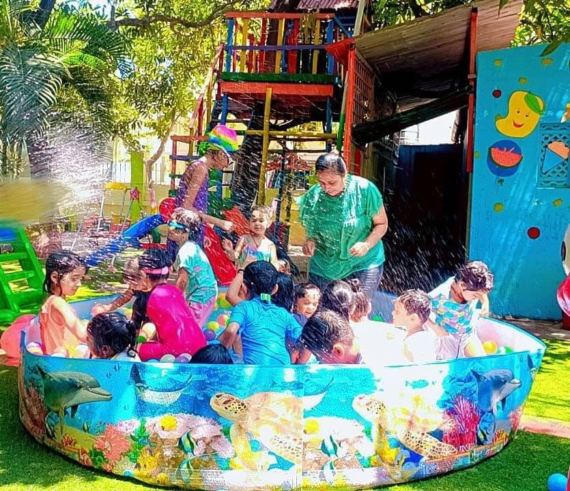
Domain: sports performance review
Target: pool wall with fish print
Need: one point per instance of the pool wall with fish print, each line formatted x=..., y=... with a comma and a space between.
x=240, y=427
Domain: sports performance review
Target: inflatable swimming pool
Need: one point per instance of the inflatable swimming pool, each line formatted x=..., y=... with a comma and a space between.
x=240, y=427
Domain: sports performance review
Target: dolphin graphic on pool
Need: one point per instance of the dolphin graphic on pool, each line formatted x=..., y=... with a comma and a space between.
x=67, y=390
x=493, y=389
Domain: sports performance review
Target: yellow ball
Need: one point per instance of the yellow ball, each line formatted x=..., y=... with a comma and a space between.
x=224, y=304
x=34, y=348
x=490, y=347
x=148, y=330
x=213, y=325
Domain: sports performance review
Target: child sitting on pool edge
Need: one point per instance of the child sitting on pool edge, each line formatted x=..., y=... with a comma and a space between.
x=112, y=336
x=455, y=315
x=264, y=328
x=412, y=310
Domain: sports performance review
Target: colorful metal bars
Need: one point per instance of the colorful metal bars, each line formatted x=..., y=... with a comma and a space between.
x=287, y=43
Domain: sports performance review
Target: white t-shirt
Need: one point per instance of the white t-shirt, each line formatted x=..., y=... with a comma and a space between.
x=420, y=347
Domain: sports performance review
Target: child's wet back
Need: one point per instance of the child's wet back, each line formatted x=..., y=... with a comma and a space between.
x=264, y=327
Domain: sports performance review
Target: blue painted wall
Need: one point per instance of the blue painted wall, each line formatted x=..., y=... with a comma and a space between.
x=519, y=213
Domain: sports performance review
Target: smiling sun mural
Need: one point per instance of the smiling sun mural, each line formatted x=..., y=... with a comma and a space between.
x=525, y=110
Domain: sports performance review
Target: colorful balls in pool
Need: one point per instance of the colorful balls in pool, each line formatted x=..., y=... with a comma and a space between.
x=183, y=358
x=148, y=331
x=209, y=335
x=35, y=348
x=222, y=302
x=490, y=347
x=504, y=350
x=223, y=320
x=213, y=326
x=557, y=482
x=168, y=359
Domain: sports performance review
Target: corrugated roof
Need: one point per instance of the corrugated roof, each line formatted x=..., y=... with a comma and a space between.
x=419, y=59
x=311, y=5
x=327, y=4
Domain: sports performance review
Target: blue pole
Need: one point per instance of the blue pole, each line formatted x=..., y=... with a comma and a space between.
x=229, y=45
x=330, y=37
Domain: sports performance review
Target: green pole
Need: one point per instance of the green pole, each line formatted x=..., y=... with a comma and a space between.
x=137, y=180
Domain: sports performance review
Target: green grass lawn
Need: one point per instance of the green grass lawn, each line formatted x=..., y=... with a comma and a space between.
x=550, y=396
x=26, y=465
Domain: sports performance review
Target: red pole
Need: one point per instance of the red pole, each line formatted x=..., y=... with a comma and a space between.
x=350, y=80
x=262, y=42
x=469, y=140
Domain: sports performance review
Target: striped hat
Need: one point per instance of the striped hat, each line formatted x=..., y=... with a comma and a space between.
x=224, y=138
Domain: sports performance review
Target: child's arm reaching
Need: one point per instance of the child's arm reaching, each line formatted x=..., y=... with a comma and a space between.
x=228, y=337
x=233, y=294
x=274, y=259
x=70, y=319
x=182, y=279
x=114, y=305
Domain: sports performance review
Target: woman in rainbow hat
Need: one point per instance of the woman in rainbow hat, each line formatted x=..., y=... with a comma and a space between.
x=193, y=189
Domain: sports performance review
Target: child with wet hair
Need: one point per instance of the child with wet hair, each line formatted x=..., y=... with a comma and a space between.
x=113, y=337
x=60, y=331
x=307, y=299
x=329, y=337
x=195, y=274
x=176, y=330
x=455, y=315
x=411, y=311
x=254, y=246
x=265, y=329
x=338, y=297
x=362, y=304
x=213, y=354
x=132, y=278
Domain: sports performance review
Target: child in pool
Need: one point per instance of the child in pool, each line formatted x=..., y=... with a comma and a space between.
x=411, y=311
x=195, y=275
x=362, y=304
x=61, y=332
x=113, y=337
x=213, y=354
x=338, y=297
x=254, y=246
x=264, y=328
x=132, y=277
x=455, y=315
x=176, y=330
x=307, y=299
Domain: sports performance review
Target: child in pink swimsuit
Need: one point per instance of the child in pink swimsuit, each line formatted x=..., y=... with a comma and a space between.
x=176, y=330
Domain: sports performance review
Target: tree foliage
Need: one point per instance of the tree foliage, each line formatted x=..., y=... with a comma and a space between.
x=545, y=21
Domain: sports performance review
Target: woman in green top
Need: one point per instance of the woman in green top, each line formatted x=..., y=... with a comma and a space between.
x=345, y=220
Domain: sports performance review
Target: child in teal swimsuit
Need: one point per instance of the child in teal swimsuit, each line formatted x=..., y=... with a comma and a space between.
x=254, y=246
x=195, y=275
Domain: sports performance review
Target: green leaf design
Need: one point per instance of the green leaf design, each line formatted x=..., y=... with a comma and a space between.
x=533, y=102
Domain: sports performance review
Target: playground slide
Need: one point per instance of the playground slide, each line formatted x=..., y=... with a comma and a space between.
x=129, y=238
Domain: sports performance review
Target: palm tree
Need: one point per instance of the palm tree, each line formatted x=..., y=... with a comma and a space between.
x=54, y=66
